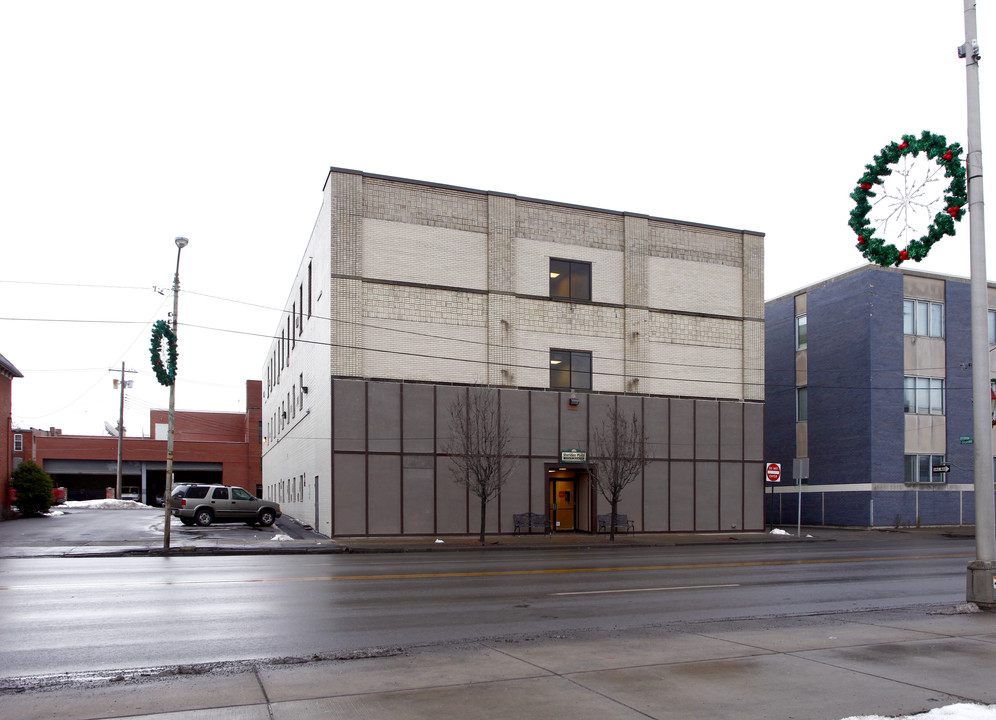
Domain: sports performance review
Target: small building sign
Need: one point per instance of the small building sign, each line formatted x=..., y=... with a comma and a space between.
x=573, y=456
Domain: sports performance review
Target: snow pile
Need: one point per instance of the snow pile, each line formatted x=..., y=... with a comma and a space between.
x=778, y=531
x=108, y=504
x=960, y=711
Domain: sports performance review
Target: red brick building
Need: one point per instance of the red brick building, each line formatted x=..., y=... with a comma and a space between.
x=208, y=447
x=7, y=374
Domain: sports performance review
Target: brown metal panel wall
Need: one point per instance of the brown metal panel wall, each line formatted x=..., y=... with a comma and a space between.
x=417, y=405
x=682, y=425
x=451, y=501
x=682, y=500
x=706, y=496
x=731, y=431
x=655, y=418
x=731, y=496
x=515, y=411
x=514, y=496
x=754, y=496
x=349, y=410
x=418, y=486
x=350, y=494
x=384, y=494
x=656, y=511
x=573, y=423
x=384, y=417
x=544, y=426
x=706, y=430
x=754, y=432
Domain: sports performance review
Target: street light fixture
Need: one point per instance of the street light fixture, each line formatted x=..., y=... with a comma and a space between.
x=181, y=242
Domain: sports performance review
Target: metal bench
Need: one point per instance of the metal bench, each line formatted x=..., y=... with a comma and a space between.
x=623, y=523
x=525, y=522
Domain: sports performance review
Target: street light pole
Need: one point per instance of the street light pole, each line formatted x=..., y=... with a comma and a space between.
x=181, y=242
x=981, y=581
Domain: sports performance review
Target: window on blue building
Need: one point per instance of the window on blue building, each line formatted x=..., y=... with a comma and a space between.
x=801, y=404
x=923, y=396
x=920, y=469
x=922, y=317
x=801, y=336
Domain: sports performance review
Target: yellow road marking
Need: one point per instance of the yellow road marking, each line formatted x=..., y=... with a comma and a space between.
x=502, y=573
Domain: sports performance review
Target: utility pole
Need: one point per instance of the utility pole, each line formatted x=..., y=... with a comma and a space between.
x=981, y=581
x=181, y=242
x=122, y=384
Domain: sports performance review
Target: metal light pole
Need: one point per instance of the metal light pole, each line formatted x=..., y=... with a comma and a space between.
x=981, y=582
x=181, y=242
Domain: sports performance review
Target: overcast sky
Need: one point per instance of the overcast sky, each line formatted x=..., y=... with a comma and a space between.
x=125, y=124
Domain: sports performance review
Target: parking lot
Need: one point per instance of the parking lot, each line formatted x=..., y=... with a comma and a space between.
x=80, y=529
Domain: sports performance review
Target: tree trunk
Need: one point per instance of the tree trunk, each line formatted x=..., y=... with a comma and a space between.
x=613, y=518
x=484, y=517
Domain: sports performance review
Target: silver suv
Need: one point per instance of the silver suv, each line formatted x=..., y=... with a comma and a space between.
x=205, y=504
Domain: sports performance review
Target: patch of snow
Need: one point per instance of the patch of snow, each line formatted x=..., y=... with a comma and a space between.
x=281, y=537
x=959, y=711
x=963, y=609
x=438, y=541
x=778, y=531
x=54, y=513
x=107, y=504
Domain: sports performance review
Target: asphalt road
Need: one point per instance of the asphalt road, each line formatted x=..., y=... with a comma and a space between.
x=66, y=615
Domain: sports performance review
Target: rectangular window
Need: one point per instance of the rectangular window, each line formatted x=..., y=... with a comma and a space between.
x=992, y=327
x=300, y=309
x=800, y=333
x=570, y=280
x=920, y=469
x=923, y=396
x=309, y=290
x=293, y=334
x=18, y=442
x=921, y=317
x=570, y=370
x=801, y=404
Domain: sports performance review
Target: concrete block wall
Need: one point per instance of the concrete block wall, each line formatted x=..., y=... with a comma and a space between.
x=660, y=289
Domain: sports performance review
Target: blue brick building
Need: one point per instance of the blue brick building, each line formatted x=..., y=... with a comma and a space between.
x=868, y=382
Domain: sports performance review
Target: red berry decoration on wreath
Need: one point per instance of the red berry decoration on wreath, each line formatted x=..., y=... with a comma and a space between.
x=901, y=208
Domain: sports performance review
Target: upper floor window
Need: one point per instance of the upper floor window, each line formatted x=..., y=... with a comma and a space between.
x=570, y=370
x=18, y=442
x=922, y=317
x=992, y=327
x=801, y=404
x=923, y=395
x=800, y=332
x=570, y=280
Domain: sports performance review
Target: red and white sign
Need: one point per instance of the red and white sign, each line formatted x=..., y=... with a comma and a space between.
x=773, y=472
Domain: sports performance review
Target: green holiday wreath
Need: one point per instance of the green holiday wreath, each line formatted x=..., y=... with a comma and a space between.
x=955, y=198
x=165, y=373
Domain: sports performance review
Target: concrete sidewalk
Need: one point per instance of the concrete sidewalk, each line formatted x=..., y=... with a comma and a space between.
x=815, y=667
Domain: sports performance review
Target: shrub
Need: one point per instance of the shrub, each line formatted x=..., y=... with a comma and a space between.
x=33, y=487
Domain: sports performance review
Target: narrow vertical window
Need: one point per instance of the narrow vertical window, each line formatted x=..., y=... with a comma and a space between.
x=801, y=404
x=801, y=334
x=309, y=290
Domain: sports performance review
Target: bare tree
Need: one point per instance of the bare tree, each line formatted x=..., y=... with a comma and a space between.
x=617, y=456
x=480, y=446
